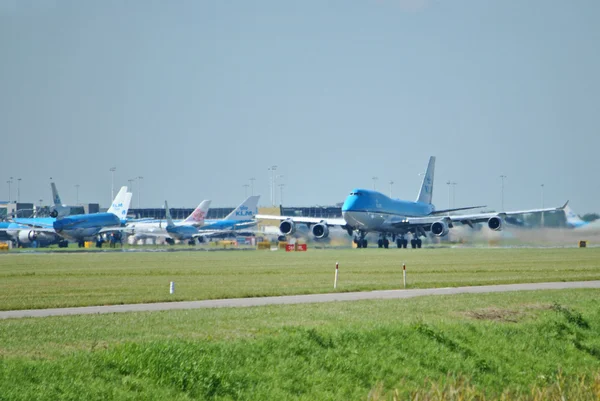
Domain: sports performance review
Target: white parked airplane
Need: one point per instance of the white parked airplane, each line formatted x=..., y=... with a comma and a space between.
x=158, y=229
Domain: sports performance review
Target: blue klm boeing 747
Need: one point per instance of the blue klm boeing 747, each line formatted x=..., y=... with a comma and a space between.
x=367, y=211
x=82, y=227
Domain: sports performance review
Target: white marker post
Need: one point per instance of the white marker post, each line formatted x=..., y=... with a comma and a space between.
x=336, y=275
x=404, y=273
x=172, y=288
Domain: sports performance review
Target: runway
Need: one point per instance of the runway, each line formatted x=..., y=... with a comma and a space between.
x=296, y=299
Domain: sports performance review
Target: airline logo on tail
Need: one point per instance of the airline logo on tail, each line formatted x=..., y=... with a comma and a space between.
x=246, y=211
x=426, y=192
x=199, y=214
x=120, y=204
x=243, y=211
x=55, y=195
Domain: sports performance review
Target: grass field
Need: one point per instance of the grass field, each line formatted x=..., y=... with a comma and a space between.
x=453, y=347
x=542, y=345
x=80, y=279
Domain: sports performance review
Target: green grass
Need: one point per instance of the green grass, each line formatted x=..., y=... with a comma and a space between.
x=447, y=347
x=81, y=279
x=539, y=345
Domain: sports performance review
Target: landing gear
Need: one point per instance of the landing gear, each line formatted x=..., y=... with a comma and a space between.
x=192, y=242
x=361, y=243
x=401, y=242
x=383, y=242
x=416, y=243
x=360, y=240
x=81, y=243
x=63, y=243
x=170, y=241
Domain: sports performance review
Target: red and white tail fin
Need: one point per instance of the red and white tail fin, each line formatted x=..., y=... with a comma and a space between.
x=198, y=215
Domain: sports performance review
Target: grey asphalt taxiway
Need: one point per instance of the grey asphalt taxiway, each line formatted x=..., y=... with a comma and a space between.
x=296, y=299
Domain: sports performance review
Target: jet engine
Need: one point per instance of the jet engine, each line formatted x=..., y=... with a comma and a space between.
x=287, y=227
x=439, y=228
x=495, y=223
x=320, y=230
x=60, y=211
x=26, y=237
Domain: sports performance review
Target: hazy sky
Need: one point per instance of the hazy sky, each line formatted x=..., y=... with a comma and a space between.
x=199, y=96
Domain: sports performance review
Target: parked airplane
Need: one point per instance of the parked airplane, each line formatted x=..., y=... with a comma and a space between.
x=79, y=228
x=241, y=218
x=181, y=232
x=367, y=211
x=25, y=236
x=58, y=209
x=158, y=229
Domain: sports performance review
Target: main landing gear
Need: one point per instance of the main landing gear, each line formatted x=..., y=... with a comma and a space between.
x=402, y=242
x=360, y=240
x=415, y=242
x=383, y=242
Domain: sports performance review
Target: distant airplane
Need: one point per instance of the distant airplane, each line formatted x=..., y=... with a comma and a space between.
x=25, y=236
x=79, y=228
x=241, y=218
x=181, y=232
x=58, y=209
x=158, y=229
x=367, y=211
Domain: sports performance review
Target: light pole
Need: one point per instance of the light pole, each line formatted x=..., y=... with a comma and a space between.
x=281, y=194
x=374, y=183
x=391, y=184
x=10, y=181
x=542, y=222
x=112, y=186
x=451, y=184
x=18, y=190
x=272, y=181
x=275, y=189
x=454, y=194
x=246, y=190
x=77, y=194
x=252, y=186
x=502, y=177
x=139, y=178
x=130, y=181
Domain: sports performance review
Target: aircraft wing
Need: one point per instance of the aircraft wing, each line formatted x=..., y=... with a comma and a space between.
x=336, y=221
x=468, y=219
x=123, y=230
x=33, y=223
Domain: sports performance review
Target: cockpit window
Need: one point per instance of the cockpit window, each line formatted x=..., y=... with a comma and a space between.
x=355, y=193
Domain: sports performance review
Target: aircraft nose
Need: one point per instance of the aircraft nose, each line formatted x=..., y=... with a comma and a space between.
x=349, y=203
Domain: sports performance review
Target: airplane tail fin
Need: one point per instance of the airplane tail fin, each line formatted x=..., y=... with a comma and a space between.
x=426, y=192
x=168, y=215
x=198, y=215
x=246, y=211
x=120, y=205
x=55, y=196
x=573, y=220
